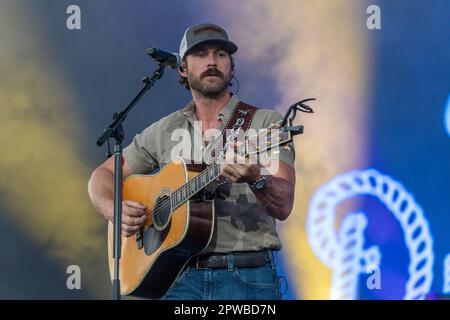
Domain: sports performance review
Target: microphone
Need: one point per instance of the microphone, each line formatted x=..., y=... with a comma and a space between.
x=164, y=58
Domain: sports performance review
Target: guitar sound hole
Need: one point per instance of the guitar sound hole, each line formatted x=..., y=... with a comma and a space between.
x=162, y=212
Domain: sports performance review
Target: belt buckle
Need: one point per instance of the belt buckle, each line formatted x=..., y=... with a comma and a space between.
x=211, y=263
x=197, y=266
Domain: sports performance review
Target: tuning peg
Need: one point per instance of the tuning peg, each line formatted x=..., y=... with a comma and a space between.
x=294, y=130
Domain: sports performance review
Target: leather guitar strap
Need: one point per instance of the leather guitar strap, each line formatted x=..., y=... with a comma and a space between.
x=238, y=123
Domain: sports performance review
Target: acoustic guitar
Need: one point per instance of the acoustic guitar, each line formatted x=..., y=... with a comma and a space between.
x=180, y=213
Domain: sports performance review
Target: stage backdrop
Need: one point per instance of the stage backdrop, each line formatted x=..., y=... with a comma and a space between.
x=371, y=215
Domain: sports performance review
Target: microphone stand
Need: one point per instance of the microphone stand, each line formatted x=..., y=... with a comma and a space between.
x=115, y=131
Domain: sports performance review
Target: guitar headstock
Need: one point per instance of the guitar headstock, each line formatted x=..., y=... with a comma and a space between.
x=276, y=135
x=272, y=137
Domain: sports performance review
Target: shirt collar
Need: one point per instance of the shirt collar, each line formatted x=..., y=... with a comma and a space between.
x=224, y=114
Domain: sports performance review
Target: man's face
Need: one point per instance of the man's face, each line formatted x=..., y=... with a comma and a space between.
x=208, y=69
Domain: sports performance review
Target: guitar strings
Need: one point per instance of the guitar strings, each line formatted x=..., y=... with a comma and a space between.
x=166, y=203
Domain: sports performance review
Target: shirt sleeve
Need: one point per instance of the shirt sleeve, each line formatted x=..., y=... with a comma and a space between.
x=286, y=152
x=141, y=154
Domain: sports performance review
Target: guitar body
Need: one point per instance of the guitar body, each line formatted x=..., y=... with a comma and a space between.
x=152, y=260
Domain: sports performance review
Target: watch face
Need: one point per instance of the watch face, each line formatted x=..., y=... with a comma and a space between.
x=260, y=183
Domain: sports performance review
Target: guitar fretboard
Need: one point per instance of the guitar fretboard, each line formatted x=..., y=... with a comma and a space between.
x=212, y=172
x=189, y=189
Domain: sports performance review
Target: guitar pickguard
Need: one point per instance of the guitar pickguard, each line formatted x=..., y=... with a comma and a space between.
x=153, y=239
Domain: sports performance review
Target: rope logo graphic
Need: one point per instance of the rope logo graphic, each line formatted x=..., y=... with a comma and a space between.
x=344, y=252
x=351, y=259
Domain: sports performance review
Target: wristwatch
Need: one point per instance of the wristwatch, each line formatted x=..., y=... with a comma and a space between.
x=259, y=183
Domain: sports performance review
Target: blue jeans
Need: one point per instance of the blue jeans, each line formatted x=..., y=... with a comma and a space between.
x=232, y=283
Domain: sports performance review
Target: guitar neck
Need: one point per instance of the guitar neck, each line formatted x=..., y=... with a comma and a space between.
x=265, y=140
x=192, y=187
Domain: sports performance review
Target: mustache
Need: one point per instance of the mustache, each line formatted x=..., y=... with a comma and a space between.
x=212, y=72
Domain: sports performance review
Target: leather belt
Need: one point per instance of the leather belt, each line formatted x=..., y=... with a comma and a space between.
x=249, y=259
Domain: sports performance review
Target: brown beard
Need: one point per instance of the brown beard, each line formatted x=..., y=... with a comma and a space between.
x=205, y=89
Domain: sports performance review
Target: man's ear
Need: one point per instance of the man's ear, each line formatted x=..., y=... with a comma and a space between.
x=182, y=70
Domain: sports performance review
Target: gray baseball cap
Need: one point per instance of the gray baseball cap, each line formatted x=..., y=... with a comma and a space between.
x=200, y=33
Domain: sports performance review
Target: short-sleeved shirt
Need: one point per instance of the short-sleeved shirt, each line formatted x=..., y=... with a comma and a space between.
x=242, y=223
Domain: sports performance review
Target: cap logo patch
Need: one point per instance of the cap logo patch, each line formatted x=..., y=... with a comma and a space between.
x=207, y=29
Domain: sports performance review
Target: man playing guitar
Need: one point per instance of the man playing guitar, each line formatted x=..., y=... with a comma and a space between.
x=238, y=262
